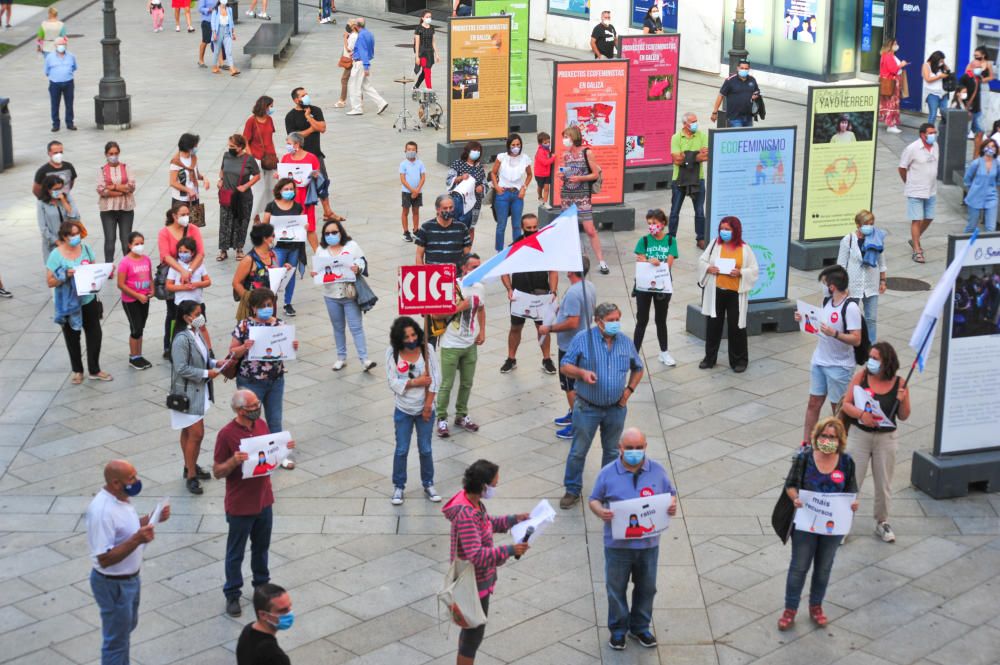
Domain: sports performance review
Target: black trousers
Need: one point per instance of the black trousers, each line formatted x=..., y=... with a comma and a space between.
x=92, y=331
x=109, y=220
x=660, y=303
x=469, y=639
x=727, y=309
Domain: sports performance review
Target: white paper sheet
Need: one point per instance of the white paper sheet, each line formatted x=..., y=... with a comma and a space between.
x=651, y=518
x=264, y=453
x=725, y=266
x=290, y=228
x=279, y=278
x=811, y=317
x=868, y=403
x=541, y=516
x=331, y=269
x=655, y=279
x=297, y=171
x=154, y=517
x=91, y=277
x=272, y=343
x=825, y=514
x=529, y=306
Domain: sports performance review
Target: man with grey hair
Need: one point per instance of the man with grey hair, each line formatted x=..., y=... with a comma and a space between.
x=248, y=500
x=443, y=239
x=607, y=370
x=689, y=151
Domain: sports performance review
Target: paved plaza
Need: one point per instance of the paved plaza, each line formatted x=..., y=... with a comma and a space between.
x=363, y=574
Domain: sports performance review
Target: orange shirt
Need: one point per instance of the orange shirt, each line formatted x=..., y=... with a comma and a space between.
x=725, y=281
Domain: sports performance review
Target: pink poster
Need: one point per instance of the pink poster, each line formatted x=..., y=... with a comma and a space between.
x=652, y=97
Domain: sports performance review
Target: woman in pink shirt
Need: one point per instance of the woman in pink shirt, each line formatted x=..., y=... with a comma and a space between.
x=135, y=281
x=177, y=226
x=890, y=69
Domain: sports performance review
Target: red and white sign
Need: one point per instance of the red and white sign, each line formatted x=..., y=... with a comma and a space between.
x=427, y=290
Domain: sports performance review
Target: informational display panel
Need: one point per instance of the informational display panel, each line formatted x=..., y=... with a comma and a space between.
x=969, y=376
x=571, y=8
x=751, y=175
x=593, y=96
x=840, y=159
x=668, y=13
x=518, y=11
x=478, y=78
x=652, y=97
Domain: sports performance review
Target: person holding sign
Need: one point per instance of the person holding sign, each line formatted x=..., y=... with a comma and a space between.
x=288, y=252
x=873, y=438
x=341, y=296
x=135, y=281
x=187, y=249
x=727, y=272
x=295, y=153
x=631, y=476
x=824, y=467
x=73, y=312
x=656, y=249
x=252, y=271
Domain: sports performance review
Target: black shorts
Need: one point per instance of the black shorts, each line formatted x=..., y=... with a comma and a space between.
x=136, y=313
x=206, y=32
x=518, y=322
x=411, y=201
x=543, y=180
x=567, y=383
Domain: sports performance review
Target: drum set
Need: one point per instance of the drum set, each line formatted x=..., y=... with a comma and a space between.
x=429, y=111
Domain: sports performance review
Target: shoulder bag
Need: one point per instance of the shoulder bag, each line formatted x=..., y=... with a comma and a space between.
x=268, y=160
x=887, y=86
x=460, y=596
x=227, y=195
x=783, y=515
x=179, y=401
x=595, y=185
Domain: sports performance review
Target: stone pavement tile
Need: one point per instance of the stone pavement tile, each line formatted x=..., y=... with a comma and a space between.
x=770, y=560
x=917, y=639
x=317, y=652
x=688, y=654
x=205, y=606
x=725, y=617
x=960, y=507
x=556, y=653
x=708, y=449
x=482, y=658
x=173, y=563
x=892, y=610
x=311, y=595
x=557, y=592
x=16, y=590
x=391, y=654
x=53, y=603
x=316, y=624
x=962, y=573
x=730, y=656
x=46, y=656
x=532, y=635
x=923, y=557
x=15, y=618
x=971, y=606
x=677, y=588
x=380, y=631
x=713, y=591
x=978, y=525
x=378, y=571
x=184, y=643
x=587, y=641
x=979, y=647
x=862, y=658
x=735, y=576
x=60, y=574
x=819, y=647
x=716, y=525
x=864, y=586
x=306, y=544
x=709, y=474
x=41, y=634
x=682, y=626
x=391, y=595
x=22, y=562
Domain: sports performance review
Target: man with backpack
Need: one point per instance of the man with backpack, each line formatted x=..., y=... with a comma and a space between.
x=843, y=337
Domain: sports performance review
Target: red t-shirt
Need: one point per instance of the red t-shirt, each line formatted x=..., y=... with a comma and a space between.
x=259, y=136
x=300, y=192
x=243, y=496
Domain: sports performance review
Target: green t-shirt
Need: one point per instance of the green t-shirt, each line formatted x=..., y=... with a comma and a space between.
x=681, y=143
x=652, y=248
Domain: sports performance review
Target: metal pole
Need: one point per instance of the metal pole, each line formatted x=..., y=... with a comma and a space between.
x=737, y=52
x=112, y=106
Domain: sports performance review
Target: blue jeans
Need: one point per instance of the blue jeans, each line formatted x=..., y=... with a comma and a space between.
x=464, y=10
x=327, y=8
x=343, y=310
x=119, y=604
x=737, y=122
x=977, y=122
x=288, y=254
x=990, y=215
x=870, y=305
x=405, y=424
x=586, y=419
x=258, y=529
x=508, y=203
x=271, y=395
x=809, y=549
x=935, y=102
x=65, y=92
x=677, y=201
x=620, y=563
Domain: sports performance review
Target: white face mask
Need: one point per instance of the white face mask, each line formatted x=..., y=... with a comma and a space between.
x=489, y=492
x=139, y=249
x=606, y=21
x=57, y=158
x=198, y=322
x=567, y=142
x=183, y=220
x=427, y=22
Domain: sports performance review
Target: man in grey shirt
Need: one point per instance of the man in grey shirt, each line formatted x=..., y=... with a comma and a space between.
x=575, y=310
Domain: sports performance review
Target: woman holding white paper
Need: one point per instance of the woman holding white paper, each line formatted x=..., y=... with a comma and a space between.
x=824, y=467
x=341, y=297
x=252, y=272
x=726, y=293
x=656, y=248
x=287, y=251
x=872, y=439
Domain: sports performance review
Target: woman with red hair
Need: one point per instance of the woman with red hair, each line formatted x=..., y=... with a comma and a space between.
x=725, y=295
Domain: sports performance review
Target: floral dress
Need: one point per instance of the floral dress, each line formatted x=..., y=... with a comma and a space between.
x=576, y=193
x=259, y=370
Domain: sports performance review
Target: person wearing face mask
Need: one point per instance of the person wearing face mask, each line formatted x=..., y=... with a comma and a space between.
x=177, y=225
x=252, y=271
x=934, y=73
x=862, y=255
x=725, y=297
x=969, y=96
x=413, y=373
x=60, y=66
x=296, y=153
x=350, y=38
x=630, y=476
x=54, y=207
x=739, y=92
x=656, y=248
x=305, y=121
x=689, y=152
x=918, y=167
x=544, y=159
x=180, y=291
x=982, y=177
x=135, y=281
x=412, y=176
x=223, y=36
x=472, y=530
x=341, y=297
x=607, y=371
x=56, y=165
x=258, y=643
x=652, y=24
x=185, y=177
x=75, y=312
x=116, y=190
x=465, y=331
x=116, y=538
x=875, y=441
x=359, y=86
x=443, y=239
x=287, y=251
x=239, y=172
x=247, y=502
x=890, y=73
x=511, y=176
x=579, y=170
x=425, y=53
x=469, y=166
x=259, y=133
x=192, y=370
x=824, y=466
x=604, y=38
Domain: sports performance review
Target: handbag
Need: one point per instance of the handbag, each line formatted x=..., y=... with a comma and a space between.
x=595, y=185
x=197, y=209
x=226, y=195
x=460, y=596
x=269, y=161
x=178, y=402
x=886, y=86
x=783, y=515
x=346, y=62
x=231, y=367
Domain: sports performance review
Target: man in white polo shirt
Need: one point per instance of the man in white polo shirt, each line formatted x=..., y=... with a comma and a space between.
x=117, y=535
x=918, y=167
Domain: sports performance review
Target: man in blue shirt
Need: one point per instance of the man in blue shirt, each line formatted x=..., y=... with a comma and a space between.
x=359, y=86
x=606, y=369
x=205, y=8
x=631, y=476
x=59, y=68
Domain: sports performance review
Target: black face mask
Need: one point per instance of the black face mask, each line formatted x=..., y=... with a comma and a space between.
x=447, y=214
x=232, y=152
x=529, y=233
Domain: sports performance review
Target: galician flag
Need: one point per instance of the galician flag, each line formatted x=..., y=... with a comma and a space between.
x=923, y=335
x=554, y=247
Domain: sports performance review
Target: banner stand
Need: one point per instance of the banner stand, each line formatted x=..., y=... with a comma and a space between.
x=522, y=122
x=949, y=476
x=762, y=317
x=607, y=218
x=648, y=178
x=814, y=255
x=449, y=152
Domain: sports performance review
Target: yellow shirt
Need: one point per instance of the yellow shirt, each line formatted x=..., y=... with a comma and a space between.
x=725, y=281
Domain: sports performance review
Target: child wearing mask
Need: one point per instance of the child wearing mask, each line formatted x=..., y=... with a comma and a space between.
x=543, y=167
x=187, y=248
x=412, y=175
x=135, y=281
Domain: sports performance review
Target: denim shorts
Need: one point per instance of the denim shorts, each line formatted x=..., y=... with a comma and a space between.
x=920, y=208
x=829, y=381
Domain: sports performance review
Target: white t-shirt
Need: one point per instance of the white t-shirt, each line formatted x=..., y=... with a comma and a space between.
x=111, y=522
x=512, y=173
x=832, y=352
x=191, y=179
x=196, y=276
x=921, y=166
x=462, y=331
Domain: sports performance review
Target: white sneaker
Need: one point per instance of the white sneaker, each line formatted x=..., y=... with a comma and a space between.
x=397, y=497
x=603, y=268
x=667, y=359
x=894, y=130
x=325, y=20
x=884, y=531
x=432, y=494
x=971, y=136
x=288, y=463
x=367, y=365
x=339, y=365
x=251, y=14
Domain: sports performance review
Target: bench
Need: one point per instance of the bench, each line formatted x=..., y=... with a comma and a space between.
x=270, y=40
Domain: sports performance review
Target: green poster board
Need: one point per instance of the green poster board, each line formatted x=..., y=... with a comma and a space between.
x=518, y=11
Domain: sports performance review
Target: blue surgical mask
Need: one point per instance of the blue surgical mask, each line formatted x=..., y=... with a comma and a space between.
x=270, y=111
x=289, y=148
x=285, y=621
x=288, y=194
x=305, y=100
x=726, y=235
x=931, y=139
x=61, y=48
x=743, y=73
x=693, y=127
x=265, y=313
x=332, y=238
x=633, y=457
x=989, y=151
x=185, y=257
x=412, y=346
x=612, y=328
x=134, y=488
x=55, y=193
x=411, y=154
x=474, y=154
x=978, y=71
x=867, y=229
x=74, y=241
x=873, y=366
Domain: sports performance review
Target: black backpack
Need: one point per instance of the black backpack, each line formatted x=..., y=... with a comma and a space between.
x=862, y=349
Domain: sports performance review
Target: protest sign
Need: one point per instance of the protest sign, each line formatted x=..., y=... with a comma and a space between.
x=297, y=171
x=278, y=278
x=643, y=517
x=90, y=277
x=289, y=228
x=825, y=514
x=264, y=453
x=272, y=343
x=811, y=317
x=540, y=518
x=725, y=266
x=655, y=279
x=865, y=400
x=331, y=269
x=531, y=306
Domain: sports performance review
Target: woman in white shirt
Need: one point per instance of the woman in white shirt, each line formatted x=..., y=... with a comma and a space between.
x=867, y=282
x=350, y=39
x=934, y=72
x=511, y=176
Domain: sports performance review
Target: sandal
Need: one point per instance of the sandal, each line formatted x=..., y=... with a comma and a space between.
x=816, y=614
x=76, y=378
x=234, y=72
x=918, y=257
x=101, y=376
x=786, y=620
x=334, y=217
x=240, y=255
x=222, y=255
x=215, y=70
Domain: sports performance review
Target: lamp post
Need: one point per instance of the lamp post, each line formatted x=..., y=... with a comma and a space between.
x=736, y=53
x=112, y=106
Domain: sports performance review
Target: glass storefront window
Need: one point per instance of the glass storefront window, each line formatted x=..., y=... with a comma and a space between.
x=758, y=15
x=843, y=38
x=801, y=29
